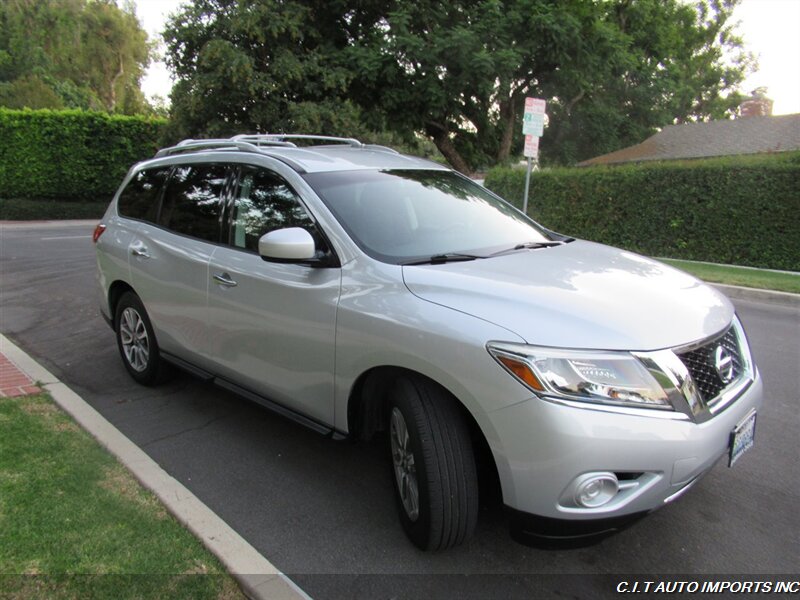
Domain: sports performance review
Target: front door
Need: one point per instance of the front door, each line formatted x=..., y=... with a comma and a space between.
x=271, y=325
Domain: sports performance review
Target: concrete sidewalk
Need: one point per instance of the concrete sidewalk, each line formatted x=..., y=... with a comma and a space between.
x=259, y=579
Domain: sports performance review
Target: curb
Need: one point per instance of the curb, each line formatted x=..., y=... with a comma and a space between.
x=258, y=578
x=713, y=264
x=760, y=295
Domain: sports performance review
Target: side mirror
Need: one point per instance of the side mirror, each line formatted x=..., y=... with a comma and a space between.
x=290, y=244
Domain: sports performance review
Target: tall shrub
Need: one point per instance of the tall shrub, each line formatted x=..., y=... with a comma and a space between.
x=70, y=154
x=740, y=210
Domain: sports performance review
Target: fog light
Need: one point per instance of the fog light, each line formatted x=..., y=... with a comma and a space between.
x=596, y=489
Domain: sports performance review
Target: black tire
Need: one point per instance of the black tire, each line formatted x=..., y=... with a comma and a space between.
x=441, y=461
x=139, y=351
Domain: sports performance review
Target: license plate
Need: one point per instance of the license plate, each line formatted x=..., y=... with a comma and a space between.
x=742, y=438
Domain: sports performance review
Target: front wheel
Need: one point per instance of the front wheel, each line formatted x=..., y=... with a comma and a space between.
x=433, y=465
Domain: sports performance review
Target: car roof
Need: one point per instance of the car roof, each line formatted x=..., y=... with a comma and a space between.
x=315, y=159
x=346, y=154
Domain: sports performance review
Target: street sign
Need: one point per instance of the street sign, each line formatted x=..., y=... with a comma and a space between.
x=533, y=128
x=535, y=105
x=533, y=117
x=533, y=124
x=531, y=146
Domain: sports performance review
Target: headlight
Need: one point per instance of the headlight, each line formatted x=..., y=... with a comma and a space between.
x=614, y=378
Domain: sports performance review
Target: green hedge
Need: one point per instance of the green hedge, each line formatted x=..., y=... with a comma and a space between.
x=70, y=154
x=737, y=210
x=33, y=209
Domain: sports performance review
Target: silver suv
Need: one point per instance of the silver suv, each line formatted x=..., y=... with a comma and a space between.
x=357, y=290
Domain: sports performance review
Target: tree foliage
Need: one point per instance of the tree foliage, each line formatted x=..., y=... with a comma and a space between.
x=258, y=65
x=675, y=62
x=87, y=54
x=457, y=72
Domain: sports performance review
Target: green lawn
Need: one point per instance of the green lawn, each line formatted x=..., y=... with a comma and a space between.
x=755, y=278
x=75, y=524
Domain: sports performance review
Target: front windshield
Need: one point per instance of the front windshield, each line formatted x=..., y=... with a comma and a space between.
x=399, y=216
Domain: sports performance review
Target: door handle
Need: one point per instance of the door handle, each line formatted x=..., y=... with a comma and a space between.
x=224, y=279
x=140, y=251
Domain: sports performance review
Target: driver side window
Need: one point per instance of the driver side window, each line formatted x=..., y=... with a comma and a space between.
x=265, y=202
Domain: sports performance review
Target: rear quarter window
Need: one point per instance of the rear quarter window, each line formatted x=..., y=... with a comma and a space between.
x=139, y=199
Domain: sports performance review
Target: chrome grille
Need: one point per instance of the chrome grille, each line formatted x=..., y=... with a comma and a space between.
x=700, y=363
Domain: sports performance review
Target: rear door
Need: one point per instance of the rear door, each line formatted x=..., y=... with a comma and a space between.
x=137, y=203
x=169, y=258
x=271, y=325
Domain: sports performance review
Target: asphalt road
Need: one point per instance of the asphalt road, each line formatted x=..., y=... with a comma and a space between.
x=322, y=511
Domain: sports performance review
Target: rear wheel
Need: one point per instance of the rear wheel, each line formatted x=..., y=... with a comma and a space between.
x=433, y=465
x=137, y=341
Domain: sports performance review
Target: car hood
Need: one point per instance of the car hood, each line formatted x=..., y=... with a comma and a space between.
x=578, y=295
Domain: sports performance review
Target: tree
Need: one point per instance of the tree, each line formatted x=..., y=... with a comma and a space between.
x=612, y=72
x=680, y=63
x=73, y=53
x=460, y=73
x=457, y=72
x=260, y=65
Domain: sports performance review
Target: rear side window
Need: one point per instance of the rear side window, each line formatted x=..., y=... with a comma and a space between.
x=192, y=200
x=139, y=199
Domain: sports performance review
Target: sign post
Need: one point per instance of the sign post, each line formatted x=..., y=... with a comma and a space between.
x=533, y=128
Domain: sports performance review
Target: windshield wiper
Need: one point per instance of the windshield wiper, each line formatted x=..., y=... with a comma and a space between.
x=530, y=246
x=439, y=259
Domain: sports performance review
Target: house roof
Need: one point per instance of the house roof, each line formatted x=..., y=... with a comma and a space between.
x=750, y=135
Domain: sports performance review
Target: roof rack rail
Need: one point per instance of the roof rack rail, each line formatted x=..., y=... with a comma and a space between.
x=282, y=137
x=246, y=142
x=258, y=139
x=219, y=144
x=194, y=143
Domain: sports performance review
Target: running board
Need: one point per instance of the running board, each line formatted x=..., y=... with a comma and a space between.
x=274, y=407
x=253, y=397
x=187, y=366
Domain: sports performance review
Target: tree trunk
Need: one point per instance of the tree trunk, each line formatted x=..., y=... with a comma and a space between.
x=445, y=145
x=508, y=116
x=112, y=99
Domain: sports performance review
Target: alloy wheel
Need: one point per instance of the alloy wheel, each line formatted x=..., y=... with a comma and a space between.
x=135, y=343
x=405, y=470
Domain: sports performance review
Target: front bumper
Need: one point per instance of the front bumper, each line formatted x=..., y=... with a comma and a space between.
x=546, y=446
